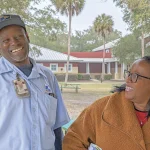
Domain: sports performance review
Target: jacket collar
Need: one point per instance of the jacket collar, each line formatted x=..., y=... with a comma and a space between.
x=123, y=118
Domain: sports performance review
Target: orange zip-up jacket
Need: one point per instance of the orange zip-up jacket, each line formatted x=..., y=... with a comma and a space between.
x=111, y=124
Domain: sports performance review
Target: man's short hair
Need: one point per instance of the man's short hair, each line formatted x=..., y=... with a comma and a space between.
x=8, y=19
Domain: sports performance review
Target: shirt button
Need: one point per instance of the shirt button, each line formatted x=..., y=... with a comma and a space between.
x=34, y=109
x=34, y=126
x=33, y=147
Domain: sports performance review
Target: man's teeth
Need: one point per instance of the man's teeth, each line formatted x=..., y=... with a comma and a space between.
x=128, y=88
x=16, y=50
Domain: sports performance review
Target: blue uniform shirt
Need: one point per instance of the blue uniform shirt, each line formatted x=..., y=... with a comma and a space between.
x=29, y=123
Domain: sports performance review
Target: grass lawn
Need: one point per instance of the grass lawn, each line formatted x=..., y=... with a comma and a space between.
x=96, y=86
x=89, y=93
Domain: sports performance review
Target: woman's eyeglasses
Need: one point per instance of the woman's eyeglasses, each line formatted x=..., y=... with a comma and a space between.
x=133, y=76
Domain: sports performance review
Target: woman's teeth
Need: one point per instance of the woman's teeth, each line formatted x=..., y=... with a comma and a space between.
x=128, y=88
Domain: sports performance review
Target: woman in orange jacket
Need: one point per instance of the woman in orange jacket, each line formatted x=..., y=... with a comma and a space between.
x=119, y=121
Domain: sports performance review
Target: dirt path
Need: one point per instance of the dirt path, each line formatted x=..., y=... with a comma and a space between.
x=76, y=102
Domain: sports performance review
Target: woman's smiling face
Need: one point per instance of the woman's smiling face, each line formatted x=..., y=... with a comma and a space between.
x=139, y=92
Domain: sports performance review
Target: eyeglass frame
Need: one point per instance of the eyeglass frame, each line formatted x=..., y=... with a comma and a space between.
x=137, y=75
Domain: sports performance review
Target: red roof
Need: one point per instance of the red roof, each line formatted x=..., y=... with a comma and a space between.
x=90, y=54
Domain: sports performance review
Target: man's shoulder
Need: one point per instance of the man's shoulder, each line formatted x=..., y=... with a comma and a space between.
x=0, y=59
x=45, y=69
x=4, y=67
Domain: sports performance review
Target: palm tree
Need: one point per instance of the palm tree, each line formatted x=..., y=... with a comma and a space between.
x=103, y=25
x=69, y=8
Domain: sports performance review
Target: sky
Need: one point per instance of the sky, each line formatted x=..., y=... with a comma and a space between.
x=91, y=10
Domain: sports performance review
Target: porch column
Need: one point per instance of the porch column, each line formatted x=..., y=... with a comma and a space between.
x=87, y=68
x=108, y=68
x=123, y=67
x=116, y=70
x=122, y=71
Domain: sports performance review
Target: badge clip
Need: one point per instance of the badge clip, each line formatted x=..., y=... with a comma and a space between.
x=21, y=87
x=48, y=91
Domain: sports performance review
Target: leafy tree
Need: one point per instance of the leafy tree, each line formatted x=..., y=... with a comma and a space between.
x=103, y=25
x=137, y=15
x=84, y=40
x=59, y=44
x=115, y=34
x=69, y=8
x=87, y=40
x=127, y=50
x=147, y=51
x=13, y=6
x=45, y=29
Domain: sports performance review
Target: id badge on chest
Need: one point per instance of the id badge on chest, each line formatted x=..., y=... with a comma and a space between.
x=21, y=87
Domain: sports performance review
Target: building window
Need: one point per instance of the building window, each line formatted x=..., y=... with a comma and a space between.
x=54, y=67
x=69, y=67
x=107, y=50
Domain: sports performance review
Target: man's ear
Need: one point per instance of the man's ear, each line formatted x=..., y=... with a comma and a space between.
x=27, y=37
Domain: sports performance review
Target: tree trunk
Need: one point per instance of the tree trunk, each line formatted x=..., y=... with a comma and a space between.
x=103, y=64
x=142, y=44
x=69, y=37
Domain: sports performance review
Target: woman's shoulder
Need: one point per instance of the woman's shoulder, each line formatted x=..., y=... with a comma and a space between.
x=102, y=102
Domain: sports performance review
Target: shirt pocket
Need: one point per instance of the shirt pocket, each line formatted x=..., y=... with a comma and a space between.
x=48, y=139
x=51, y=109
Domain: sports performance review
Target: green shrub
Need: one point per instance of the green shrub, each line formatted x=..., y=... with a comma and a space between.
x=80, y=76
x=83, y=76
x=86, y=77
x=60, y=77
x=98, y=77
x=72, y=77
x=107, y=76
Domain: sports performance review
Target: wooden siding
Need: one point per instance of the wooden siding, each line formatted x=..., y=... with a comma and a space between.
x=95, y=67
x=82, y=67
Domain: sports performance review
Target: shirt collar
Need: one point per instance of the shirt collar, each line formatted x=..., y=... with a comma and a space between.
x=36, y=69
x=6, y=67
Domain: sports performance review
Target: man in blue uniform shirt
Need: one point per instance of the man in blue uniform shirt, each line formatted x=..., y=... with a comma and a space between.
x=31, y=106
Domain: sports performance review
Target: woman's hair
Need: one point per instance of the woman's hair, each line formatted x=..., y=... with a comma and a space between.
x=147, y=59
x=119, y=88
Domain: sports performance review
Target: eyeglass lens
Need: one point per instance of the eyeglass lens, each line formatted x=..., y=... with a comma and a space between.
x=133, y=76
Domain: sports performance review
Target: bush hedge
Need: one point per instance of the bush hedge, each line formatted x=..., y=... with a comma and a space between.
x=75, y=77
x=106, y=77
x=83, y=76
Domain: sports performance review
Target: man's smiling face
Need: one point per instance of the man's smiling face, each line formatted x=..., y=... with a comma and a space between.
x=14, y=45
